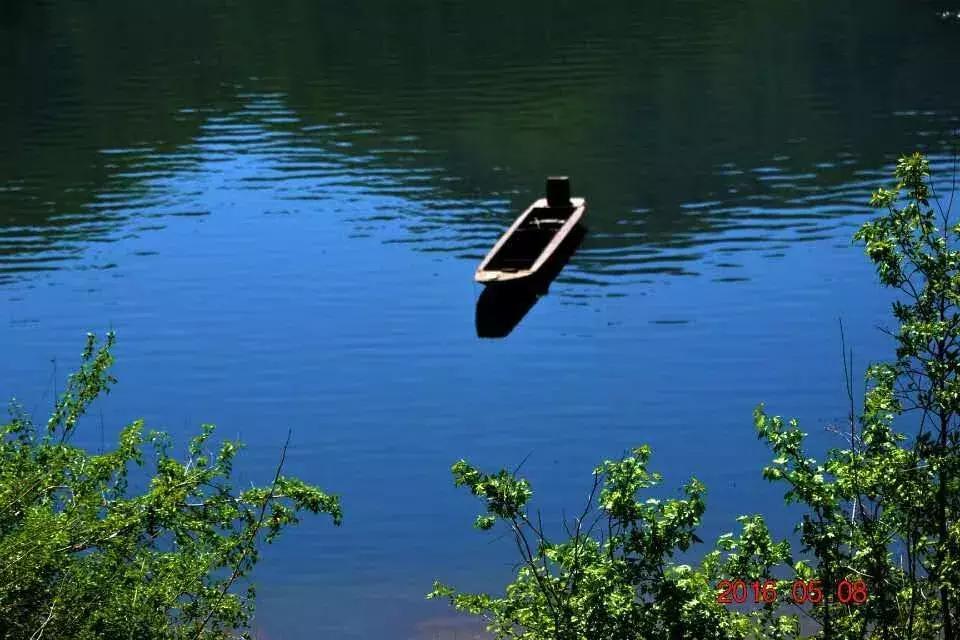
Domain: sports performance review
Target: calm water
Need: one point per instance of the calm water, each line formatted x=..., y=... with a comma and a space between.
x=279, y=209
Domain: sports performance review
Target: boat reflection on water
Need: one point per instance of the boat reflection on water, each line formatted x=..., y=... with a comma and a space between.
x=501, y=307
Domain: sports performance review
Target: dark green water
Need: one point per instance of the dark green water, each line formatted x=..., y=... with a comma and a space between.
x=279, y=208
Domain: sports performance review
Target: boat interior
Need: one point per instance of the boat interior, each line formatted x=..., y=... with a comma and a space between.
x=530, y=239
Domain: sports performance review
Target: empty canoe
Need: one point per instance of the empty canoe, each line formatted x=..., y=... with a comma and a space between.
x=533, y=238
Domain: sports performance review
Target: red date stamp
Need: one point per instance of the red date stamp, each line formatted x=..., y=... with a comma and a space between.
x=801, y=592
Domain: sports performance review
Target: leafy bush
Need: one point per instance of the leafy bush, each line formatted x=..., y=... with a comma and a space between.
x=613, y=577
x=82, y=556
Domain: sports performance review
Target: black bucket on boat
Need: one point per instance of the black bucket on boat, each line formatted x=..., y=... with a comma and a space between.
x=558, y=191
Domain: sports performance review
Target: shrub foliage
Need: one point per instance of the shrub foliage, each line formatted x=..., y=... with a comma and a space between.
x=84, y=556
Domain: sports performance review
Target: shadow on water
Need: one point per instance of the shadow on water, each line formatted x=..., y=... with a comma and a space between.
x=500, y=308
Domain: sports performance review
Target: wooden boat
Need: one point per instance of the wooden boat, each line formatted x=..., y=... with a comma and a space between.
x=528, y=245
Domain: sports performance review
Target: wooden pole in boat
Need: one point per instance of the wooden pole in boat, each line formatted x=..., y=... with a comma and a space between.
x=558, y=191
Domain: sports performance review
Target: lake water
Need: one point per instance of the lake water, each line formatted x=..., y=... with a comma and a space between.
x=279, y=208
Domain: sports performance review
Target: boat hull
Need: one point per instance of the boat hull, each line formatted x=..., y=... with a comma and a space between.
x=525, y=249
